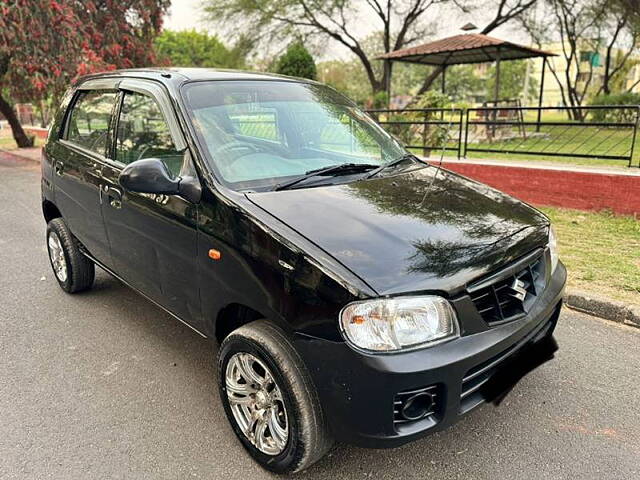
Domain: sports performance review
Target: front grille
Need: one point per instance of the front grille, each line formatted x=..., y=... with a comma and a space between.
x=416, y=405
x=509, y=293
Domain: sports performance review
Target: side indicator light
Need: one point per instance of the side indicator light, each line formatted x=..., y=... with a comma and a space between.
x=214, y=254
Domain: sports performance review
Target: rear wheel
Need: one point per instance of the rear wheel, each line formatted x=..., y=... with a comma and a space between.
x=270, y=399
x=72, y=269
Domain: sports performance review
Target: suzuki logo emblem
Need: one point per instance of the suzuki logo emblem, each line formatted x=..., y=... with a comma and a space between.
x=519, y=291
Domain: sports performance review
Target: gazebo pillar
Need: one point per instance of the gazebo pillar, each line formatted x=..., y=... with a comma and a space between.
x=444, y=77
x=544, y=65
x=496, y=93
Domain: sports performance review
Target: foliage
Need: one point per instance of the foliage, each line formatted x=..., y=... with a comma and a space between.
x=622, y=115
x=49, y=42
x=297, y=62
x=348, y=77
x=44, y=44
x=462, y=83
x=432, y=135
x=584, y=26
x=190, y=48
x=432, y=99
x=380, y=100
x=512, y=81
x=400, y=21
x=619, y=81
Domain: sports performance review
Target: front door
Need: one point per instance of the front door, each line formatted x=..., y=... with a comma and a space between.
x=153, y=238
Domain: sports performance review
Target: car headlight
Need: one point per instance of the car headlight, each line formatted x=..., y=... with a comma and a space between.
x=553, y=249
x=392, y=324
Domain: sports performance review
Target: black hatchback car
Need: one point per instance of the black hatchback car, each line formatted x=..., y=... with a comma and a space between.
x=359, y=294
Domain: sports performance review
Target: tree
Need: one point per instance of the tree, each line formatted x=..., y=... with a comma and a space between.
x=623, y=25
x=346, y=76
x=297, y=62
x=190, y=48
x=401, y=22
x=585, y=29
x=45, y=44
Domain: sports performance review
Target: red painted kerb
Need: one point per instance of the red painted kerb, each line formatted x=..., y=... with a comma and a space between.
x=559, y=188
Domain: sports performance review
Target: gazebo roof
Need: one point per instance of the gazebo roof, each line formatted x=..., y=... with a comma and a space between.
x=464, y=48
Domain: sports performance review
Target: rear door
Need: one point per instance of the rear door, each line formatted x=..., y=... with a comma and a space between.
x=78, y=158
x=153, y=238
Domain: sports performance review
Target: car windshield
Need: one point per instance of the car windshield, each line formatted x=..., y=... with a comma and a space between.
x=259, y=134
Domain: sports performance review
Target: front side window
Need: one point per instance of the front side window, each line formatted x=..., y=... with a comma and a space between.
x=89, y=120
x=257, y=134
x=143, y=133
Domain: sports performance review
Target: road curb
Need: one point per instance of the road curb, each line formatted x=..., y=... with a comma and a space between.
x=603, y=307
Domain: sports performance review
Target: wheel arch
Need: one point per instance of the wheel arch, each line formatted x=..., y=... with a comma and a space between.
x=50, y=211
x=233, y=316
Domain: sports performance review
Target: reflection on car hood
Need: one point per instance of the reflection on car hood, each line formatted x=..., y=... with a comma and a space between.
x=417, y=231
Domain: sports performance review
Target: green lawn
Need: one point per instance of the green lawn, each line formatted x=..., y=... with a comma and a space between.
x=601, y=252
x=8, y=143
x=580, y=139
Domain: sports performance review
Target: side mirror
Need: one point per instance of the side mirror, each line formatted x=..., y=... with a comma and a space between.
x=150, y=175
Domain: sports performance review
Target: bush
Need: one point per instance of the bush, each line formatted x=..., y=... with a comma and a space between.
x=297, y=62
x=616, y=115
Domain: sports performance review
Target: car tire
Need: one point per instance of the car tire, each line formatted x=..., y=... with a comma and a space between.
x=73, y=271
x=298, y=412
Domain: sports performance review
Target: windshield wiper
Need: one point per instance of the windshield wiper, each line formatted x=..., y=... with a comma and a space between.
x=398, y=160
x=333, y=170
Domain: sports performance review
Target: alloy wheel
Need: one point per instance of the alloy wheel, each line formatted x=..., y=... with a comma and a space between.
x=56, y=254
x=256, y=403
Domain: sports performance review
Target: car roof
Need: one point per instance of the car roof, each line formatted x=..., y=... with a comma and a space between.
x=180, y=75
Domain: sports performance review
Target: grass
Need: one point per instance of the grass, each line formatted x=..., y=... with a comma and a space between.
x=601, y=252
x=578, y=139
x=8, y=143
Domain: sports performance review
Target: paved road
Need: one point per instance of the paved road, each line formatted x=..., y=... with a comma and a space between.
x=104, y=385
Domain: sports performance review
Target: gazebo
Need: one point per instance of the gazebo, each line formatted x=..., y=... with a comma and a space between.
x=469, y=48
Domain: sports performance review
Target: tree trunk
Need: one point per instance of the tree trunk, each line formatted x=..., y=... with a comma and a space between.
x=19, y=135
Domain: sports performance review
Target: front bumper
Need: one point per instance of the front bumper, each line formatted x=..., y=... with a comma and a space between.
x=357, y=391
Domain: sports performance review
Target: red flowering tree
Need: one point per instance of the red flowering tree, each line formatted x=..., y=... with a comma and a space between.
x=46, y=44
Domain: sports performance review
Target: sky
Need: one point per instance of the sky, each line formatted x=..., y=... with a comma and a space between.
x=184, y=14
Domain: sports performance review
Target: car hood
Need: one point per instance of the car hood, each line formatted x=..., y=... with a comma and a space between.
x=423, y=230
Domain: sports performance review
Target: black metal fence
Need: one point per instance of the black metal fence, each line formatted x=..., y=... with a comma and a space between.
x=603, y=133
x=424, y=129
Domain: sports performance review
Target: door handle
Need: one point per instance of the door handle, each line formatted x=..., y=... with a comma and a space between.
x=115, y=196
x=59, y=168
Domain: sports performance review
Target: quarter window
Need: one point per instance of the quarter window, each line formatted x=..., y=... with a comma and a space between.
x=144, y=133
x=89, y=121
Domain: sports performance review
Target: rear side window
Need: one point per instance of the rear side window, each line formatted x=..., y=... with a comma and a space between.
x=143, y=133
x=89, y=121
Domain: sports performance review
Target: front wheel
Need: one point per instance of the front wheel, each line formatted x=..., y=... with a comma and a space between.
x=270, y=399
